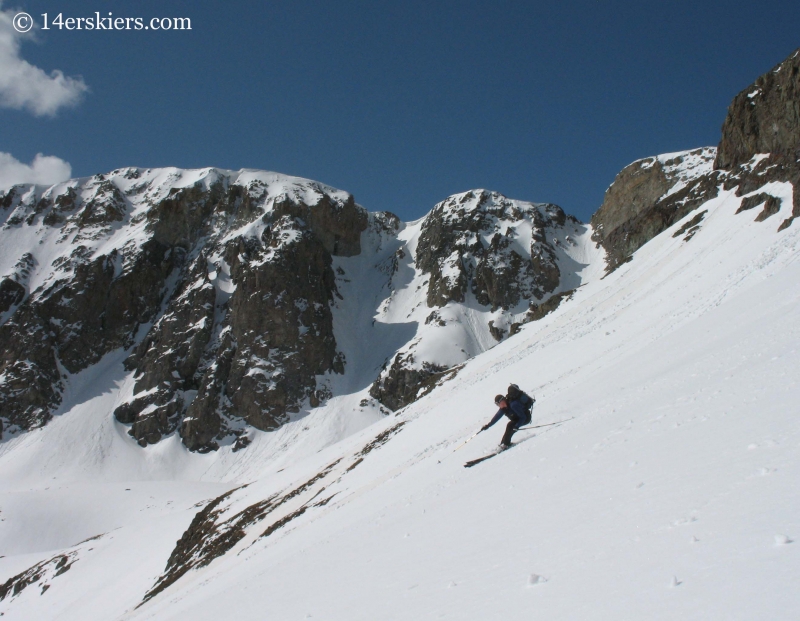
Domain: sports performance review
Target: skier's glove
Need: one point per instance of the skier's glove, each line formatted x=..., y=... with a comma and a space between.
x=484, y=428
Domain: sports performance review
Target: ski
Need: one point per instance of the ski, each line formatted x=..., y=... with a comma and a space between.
x=495, y=453
x=475, y=462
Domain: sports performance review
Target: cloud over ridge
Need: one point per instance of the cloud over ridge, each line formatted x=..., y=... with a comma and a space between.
x=44, y=170
x=24, y=86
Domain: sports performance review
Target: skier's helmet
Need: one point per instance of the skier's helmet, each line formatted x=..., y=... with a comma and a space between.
x=498, y=399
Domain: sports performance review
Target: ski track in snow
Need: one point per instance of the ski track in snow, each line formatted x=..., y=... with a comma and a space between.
x=672, y=494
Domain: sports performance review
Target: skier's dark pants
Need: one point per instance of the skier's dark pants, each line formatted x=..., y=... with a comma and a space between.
x=510, y=429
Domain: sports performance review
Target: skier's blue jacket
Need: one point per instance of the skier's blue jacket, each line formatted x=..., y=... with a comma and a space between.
x=515, y=411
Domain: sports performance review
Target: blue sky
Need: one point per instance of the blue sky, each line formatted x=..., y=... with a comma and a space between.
x=402, y=103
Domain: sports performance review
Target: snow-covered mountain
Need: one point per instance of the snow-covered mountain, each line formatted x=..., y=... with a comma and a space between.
x=351, y=355
x=234, y=300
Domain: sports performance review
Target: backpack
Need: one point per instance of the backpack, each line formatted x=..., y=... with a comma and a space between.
x=515, y=394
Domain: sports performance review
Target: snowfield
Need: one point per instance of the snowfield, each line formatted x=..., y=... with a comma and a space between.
x=669, y=493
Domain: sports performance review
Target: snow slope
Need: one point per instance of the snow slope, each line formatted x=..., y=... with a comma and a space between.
x=670, y=494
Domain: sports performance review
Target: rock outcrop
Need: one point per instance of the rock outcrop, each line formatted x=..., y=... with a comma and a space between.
x=481, y=251
x=649, y=196
x=470, y=243
x=761, y=137
x=404, y=382
x=764, y=118
x=760, y=143
x=219, y=285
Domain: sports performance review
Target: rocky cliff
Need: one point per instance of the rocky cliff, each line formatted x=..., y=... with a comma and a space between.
x=218, y=284
x=650, y=195
x=221, y=288
x=761, y=135
x=474, y=242
x=764, y=118
x=495, y=256
x=760, y=144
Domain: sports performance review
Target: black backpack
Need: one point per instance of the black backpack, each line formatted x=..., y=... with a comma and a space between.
x=514, y=393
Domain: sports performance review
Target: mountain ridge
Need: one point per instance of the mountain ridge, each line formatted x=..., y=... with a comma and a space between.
x=191, y=272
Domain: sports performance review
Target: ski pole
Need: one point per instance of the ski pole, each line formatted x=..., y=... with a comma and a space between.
x=463, y=444
x=545, y=425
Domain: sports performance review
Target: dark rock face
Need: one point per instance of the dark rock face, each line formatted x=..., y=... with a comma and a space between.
x=337, y=227
x=770, y=203
x=468, y=243
x=749, y=179
x=40, y=574
x=636, y=188
x=167, y=360
x=539, y=311
x=280, y=337
x=691, y=226
x=484, y=250
x=11, y=294
x=220, y=290
x=89, y=306
x=252, y=357
x=649, y=196
x=402, y=384
x=764, y=118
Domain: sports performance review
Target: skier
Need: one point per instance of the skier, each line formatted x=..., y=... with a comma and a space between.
x=517, y=413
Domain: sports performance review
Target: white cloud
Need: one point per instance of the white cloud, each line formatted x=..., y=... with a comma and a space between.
x=26, y=87
x=44, y=169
